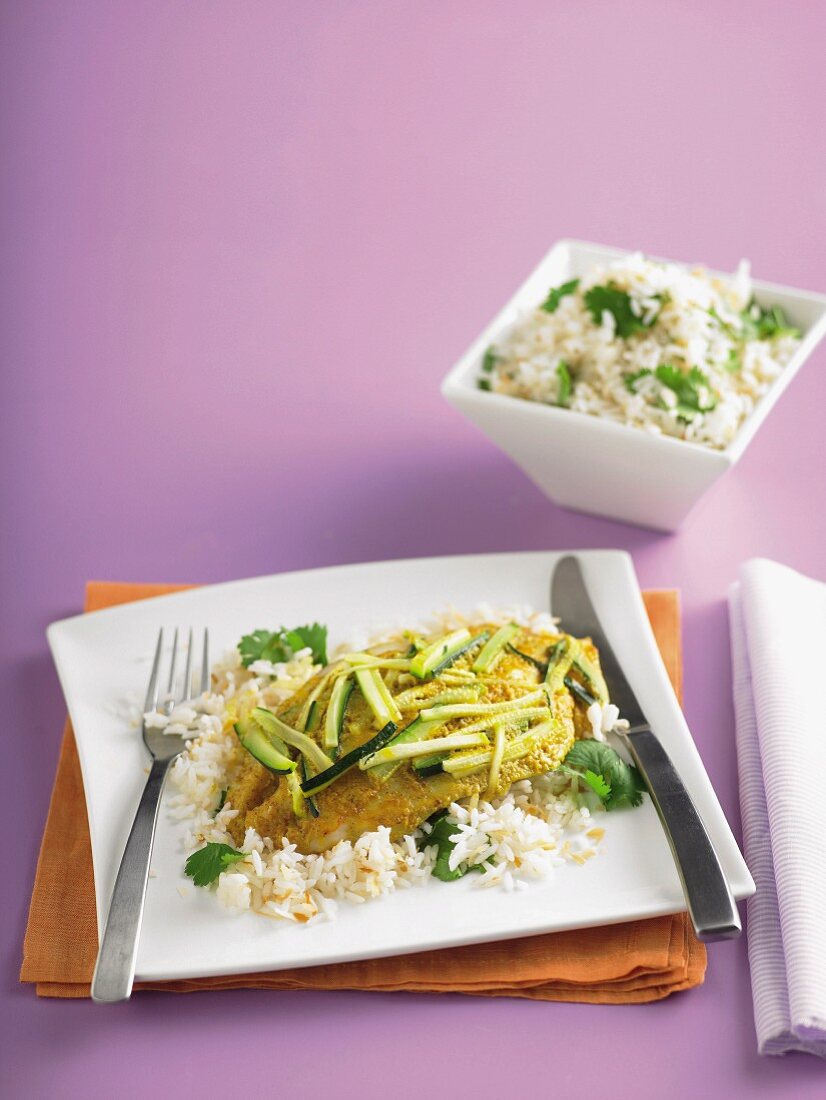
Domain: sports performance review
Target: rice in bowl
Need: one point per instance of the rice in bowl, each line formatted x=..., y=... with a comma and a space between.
x=656, y=346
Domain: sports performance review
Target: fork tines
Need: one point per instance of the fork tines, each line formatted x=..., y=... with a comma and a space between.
x=177, y=689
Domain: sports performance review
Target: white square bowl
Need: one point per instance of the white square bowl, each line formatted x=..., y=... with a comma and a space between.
x=599, y=466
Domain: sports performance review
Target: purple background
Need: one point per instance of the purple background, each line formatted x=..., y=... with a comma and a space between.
x=241, y=245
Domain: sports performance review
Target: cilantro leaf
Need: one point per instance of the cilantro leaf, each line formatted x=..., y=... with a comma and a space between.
x=489, y=360
x=693, y=390
x=601, y=299
x=205, y=865
x=597, y=784
x=283, y=644
x=440, y=835
x=765, y=324
x=733, y=363
x=563, y=373
x=484, y=384
x=602, y=768
x=555, y=296
x=631, y=380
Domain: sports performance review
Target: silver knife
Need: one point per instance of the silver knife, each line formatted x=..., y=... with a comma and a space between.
x=709, y=899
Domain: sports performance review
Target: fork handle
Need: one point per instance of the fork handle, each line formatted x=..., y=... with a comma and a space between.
x=711, y=905
x=115, y=969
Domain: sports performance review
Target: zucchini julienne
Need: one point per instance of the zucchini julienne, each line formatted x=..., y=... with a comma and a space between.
x=424, y=663
x=337, y=708
x=441, y=654
x=310, y=712
x=424, y=766
x=418, y=730
x=407, y=750
x=493, y=647
x=592, y=675
x=258, y=744
x=313, y=715
x=563, y=655
x=389, y=702
x=579, y=691
x=370, y=660
x=540, y=666
x=509, y=718
x=377, y=697
x=466, y=763
x=297, y=740
x=330, y=774
x=589, y=671
x=457, y=651
x=308, y=799
x=298, y=800
x=460, y=764
x=481, y=710
x=496, y=758
x=412, y=698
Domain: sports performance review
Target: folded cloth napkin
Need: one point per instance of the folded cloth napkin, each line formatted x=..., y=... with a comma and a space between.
x=778, y=637
x=622, y=963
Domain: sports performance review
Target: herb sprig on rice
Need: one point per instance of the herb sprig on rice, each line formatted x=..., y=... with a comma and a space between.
x=652, y=345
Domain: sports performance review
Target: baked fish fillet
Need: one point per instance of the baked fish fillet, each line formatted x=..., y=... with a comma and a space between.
x=361, y=799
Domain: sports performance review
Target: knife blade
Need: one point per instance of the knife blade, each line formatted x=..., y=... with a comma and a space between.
x=708, y=896
x=572, y=604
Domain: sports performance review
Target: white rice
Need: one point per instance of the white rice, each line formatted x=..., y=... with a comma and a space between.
x=537, y=826
x=685, y=333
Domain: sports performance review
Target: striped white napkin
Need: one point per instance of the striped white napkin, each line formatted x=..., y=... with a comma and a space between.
x=778, y=632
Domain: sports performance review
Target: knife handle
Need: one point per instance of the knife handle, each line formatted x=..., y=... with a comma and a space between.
x=710, y=903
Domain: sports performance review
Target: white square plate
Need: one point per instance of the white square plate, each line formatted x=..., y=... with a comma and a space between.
x=103, y=658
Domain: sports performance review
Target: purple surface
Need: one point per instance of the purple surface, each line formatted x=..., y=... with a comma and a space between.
x=241, y=245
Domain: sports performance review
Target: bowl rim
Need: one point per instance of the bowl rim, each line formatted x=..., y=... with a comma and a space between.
x=458, y=382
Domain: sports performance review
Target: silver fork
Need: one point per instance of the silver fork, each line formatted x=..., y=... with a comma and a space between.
x=115, y=969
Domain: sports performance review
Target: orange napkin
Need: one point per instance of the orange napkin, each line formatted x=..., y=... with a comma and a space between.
x=618, y=964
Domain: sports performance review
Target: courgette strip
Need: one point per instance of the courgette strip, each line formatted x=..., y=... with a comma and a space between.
x=540, y=666
x=389, y=701
x=458, y=652
x=509, y=718
x=413, y=698
x=562, y=656
x=492, y=649
x=426, y=660
x=418, y=730
x=297, y=740
x=324, y=778
x=496, y=759
x=308, y=799
x=410, y=749
x=425, y=766
x=298, y=800
x=269, y=751
x=309, y=709
x=376, y=696
x=370, y=660
x=461, y=764
x=592, y=674
x=580, y=692
x=480, y=710
x=336, y=710
x=458, y=676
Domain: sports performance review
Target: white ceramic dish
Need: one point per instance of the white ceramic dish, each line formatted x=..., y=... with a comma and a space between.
x=599, y=466
x=103, y=657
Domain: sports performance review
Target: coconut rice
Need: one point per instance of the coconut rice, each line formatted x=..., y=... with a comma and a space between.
x=540, y=824
x=682, y=353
